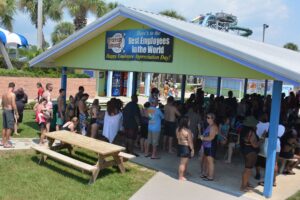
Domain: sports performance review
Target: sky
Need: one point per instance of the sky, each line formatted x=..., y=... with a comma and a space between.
x=282, y=16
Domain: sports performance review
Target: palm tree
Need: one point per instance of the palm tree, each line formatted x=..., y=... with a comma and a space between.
x=7, y=10
x=80, y=8
x=291, y=46
x=52, y=9
x=112, y=5
x=172, y=13
x=62, y=31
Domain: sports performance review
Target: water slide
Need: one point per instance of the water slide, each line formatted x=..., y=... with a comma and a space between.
x=222, y=21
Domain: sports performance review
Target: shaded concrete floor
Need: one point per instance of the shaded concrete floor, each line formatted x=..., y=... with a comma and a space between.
x=227, y=179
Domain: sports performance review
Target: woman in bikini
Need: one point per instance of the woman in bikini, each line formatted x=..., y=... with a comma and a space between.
x=185, y=146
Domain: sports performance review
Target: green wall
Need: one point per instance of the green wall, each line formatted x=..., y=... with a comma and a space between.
x=187, y=59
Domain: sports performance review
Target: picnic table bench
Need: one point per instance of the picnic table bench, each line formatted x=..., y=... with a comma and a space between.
x=103, y=150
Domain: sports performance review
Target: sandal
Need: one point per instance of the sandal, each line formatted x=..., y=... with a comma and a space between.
x=203, y=176
x=261, y=183
x=289, y=173
x=208, y=179
x=8, y=146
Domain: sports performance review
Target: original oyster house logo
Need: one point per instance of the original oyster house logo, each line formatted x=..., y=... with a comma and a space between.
x=116, y=43
x=139, y=45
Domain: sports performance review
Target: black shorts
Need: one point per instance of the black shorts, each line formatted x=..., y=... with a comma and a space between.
x=8, y=119
x=260, y=161
x=144, y=131
x=20, y=119
x=170, y=128
x=184, y=151
x=42, y=125
x=210, y=151
x=286, y=155
x=131, y=133
x=250, y=159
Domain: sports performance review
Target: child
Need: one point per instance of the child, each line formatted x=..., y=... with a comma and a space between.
x=224, y=130
x=41, y=118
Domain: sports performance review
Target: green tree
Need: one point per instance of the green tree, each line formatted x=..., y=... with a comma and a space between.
x=7, y=11
x=62, y=31
x=291, y=46
x=80, y=8
x=172, y=13
x=111, y=5
x=52, y=9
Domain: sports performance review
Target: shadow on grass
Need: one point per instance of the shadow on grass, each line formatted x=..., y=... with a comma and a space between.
x=32, y=124
x=103, y=173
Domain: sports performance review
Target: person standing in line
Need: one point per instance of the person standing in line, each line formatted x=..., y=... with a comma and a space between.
x=78, y=97
x=9, y=114
x=154, y=128
x=171, y=113
x=70, y=109
x=83, y=113
x=185, y=146
x=40, y=91
x=209, y=142
x=60, y=115
x=49, y=106
x=131, y=122
x=21, y=100
x=249, y=144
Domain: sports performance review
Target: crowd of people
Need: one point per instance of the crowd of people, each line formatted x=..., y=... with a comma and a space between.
x=200, y=125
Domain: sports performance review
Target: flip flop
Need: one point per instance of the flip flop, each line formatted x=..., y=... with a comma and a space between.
x=203, y=176
x=289, y=173
x=263, y=184
x=208, y=179
x=8, y=146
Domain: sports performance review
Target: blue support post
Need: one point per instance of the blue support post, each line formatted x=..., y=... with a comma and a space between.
x=272, y=140
x=245, y=86
x=266, y=88
x=219, y=86
x=183, y=84
x=64, y=81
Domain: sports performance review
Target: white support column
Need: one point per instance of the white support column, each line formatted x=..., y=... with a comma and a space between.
x=109, y=83
x=129, y=84
x=147, y=84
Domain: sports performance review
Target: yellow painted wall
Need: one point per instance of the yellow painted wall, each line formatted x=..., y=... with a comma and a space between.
x=187, y=59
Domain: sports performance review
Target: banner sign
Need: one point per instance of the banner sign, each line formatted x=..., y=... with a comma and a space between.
x=139, y=45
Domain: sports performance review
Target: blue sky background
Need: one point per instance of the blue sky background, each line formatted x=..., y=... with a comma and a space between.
x=282, y=16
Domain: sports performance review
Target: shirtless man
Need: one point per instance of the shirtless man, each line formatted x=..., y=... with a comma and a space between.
x=9, y=114
x=83, y=114
x=60, y=115
x=171, y=113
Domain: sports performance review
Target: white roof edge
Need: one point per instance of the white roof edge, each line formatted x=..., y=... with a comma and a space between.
x=284, y=68
x=78, y=34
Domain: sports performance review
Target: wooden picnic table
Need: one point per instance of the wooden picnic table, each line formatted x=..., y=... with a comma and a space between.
x=101, y=148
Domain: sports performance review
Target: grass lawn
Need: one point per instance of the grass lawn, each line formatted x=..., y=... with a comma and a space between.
x=22, y=178
x=25, y=179
x=295, y=196
x=28, y=128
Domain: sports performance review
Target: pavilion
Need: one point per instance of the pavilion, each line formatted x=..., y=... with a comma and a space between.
x=127, y=39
